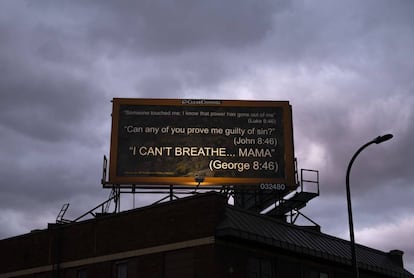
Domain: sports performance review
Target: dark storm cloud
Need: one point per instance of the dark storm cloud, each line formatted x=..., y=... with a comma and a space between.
x=175, y=26
x=168, y=26
x=50, y=136
x=45, y=108
x=43, y=95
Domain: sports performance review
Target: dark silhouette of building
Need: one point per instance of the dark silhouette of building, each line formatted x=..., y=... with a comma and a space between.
x=198, y=236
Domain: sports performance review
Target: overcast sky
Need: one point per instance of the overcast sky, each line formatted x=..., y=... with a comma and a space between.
x=346, y=67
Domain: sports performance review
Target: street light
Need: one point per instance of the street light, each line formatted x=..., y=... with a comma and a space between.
x=376, y=140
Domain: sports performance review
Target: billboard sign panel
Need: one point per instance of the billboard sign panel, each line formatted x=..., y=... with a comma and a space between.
x=206, y=142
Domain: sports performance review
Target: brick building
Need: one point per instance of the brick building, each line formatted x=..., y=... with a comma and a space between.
x=198, y=236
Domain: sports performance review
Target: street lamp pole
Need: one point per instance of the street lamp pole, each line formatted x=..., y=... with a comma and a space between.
x=376, y=140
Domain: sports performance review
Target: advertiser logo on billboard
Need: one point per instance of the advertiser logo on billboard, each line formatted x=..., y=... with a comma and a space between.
x=214, y=142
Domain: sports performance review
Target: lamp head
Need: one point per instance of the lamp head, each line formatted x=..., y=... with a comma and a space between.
x=383, y=138
x=199, y=178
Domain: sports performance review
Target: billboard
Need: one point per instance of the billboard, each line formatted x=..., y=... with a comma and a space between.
x=202, y=142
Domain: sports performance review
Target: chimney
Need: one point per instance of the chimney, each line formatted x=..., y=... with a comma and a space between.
x=396, y=257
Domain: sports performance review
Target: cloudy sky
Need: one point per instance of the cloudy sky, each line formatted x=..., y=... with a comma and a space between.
x=346, y=67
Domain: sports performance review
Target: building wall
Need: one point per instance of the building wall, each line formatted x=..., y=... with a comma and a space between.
x=179, y=221
x=247, y=260
x=174, y=239
x=223, y=258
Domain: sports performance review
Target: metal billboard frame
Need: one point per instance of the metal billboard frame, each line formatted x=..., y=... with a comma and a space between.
x=211, y=182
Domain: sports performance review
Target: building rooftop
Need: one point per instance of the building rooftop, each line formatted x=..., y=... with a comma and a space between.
x=268, y=231
x=204, y=215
